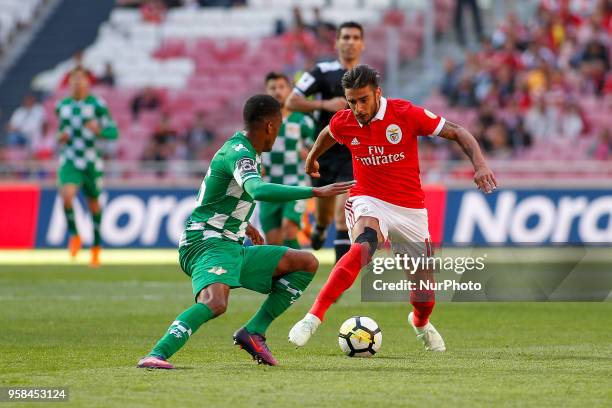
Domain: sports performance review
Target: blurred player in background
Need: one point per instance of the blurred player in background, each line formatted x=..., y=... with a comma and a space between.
x=336, y=164
x=387, y=203
x=82, y=119
x=284, y=165
x=211, y=250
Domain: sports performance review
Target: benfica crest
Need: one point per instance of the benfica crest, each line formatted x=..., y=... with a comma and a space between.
x=394, y=134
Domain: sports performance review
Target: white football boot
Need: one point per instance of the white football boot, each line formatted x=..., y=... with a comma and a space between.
x=303, y=330
x=428, y=335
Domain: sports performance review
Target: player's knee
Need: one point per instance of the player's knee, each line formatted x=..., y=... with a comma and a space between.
x=94, y=205
x=297, y=261
x=217, y=306
x=311, y=263
x=67, y=200
x=369, y=239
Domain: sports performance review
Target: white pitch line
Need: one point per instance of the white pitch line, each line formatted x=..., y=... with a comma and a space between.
x=326, y=256
x=109, y=257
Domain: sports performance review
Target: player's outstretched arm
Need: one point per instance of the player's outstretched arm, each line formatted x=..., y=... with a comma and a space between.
x=271, y=192
x=333, y=189
x=483, y=175
x=322, y=144
x=262, y=191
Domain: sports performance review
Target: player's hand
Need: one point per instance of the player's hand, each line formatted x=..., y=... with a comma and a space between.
x=254, y=235
x=334, y=189
x=334, y=104
x=312, y=167
x=63, y=137
x=93, y=126
x=485, y=179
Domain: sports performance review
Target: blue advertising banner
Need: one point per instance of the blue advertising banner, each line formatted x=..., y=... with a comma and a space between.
x=145, y=218
x=134, y=218
x=517, y=216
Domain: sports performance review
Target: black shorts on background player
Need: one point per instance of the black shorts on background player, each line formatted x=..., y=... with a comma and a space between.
x=325, y=79
x=334, y=166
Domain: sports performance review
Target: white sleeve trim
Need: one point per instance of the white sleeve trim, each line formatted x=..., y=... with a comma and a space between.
x=297, y=91
x=439, y=128
x=248, y=177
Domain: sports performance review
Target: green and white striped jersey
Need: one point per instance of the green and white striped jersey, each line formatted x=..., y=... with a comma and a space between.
x=223, y=208
x=283, y=164
x=81, y=148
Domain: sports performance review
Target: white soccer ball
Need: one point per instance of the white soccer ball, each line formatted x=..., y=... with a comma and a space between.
x=360, y=336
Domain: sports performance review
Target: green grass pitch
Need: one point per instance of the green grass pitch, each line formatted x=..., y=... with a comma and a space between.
x=68, y=325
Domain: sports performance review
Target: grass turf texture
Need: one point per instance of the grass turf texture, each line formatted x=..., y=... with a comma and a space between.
x=86, y=328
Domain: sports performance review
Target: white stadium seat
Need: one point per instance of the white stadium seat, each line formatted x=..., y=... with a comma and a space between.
x=124, y=17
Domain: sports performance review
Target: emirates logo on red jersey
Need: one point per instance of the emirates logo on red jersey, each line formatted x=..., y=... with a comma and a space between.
x=376, y=157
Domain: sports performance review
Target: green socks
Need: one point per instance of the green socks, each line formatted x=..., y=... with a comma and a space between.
x=72, y=229
x=292, y=243
x=285, y=290
x=97, y=218
x=181, y=329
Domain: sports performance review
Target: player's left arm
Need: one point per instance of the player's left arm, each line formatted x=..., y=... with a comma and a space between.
x=483, y=175
x=107, y=126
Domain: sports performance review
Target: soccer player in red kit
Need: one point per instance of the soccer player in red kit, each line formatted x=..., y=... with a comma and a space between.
x=387, y=203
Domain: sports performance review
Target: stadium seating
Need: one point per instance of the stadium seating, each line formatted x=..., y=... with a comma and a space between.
x=564, y=81
x=15, y=14
x=207, y=60
x=210, y=59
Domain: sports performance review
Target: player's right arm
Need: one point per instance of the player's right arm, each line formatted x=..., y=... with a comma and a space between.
x=324, y=141
x=309, y=84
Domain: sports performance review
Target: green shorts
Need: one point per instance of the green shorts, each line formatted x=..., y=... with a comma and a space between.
x=271, y=215
x=89, y=179
x=217, y=260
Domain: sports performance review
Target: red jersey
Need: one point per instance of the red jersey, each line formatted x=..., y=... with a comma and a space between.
x=384, y=152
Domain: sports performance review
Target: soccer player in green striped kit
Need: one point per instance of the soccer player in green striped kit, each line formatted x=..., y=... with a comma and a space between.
x=83, y=118
x=284, y=164
x=211, y=250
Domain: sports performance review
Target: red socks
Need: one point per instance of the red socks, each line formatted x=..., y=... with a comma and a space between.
x=340, y=279
x=422, y=302
x=344, y=274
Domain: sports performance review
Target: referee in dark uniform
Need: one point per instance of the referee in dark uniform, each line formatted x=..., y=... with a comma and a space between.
x=335, y=164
